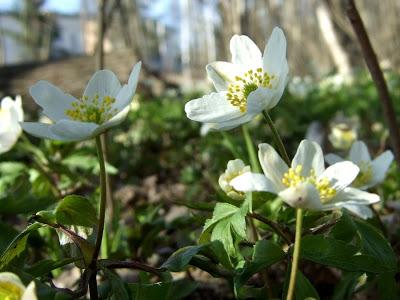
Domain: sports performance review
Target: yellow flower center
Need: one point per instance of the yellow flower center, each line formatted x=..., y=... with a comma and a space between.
x=365, y=174
x=251, y=80
x=293, y=177
x=9, y=291
x=93, y=109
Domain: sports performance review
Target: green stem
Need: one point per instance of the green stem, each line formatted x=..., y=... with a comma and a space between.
x=296, y=254
x=250, y=150
x=102, y=214
x=277, y=138
x=229, y=144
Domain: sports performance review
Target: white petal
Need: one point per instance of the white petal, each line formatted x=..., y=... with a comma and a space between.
x=274, y=58
x=359, y=153
x=8, y=104
x=333, y=158
x=252, y=182
x=380, y=166
x=73, y=130
x=361, y=211
x=212, y=108
x=303, y=195
x=30, y=292
x=235, y=165
x=259, y=100
x=341, y=174
x=309, y=156
x=245, y=52
x=41, y=130
x=279, y=85
x=233, y=123
x=222, y=74
x=8, y=139
x=103, y=83
x=126, y=93
x=117, y=119
x=53, y=100
x=352, y=196
x=273, y=165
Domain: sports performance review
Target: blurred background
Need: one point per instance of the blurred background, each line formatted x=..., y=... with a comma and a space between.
x=175, y=39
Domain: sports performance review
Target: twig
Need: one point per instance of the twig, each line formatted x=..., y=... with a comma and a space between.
x=287, y=236
x=377, y=76
x=115, y=264
x=209, y=267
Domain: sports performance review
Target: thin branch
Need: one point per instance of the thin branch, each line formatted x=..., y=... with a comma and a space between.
x=285, y=234
x=209, y=267
x=377, y=75
x=116, y=264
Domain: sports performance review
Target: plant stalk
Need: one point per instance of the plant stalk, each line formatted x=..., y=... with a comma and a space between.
x=250, y=150
x=277, y=138
x=296, y=254
x=102, y=214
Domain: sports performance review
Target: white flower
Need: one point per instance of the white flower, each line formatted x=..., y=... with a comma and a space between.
x=11, y=114
x=306, y=183
x=342, y=136
x=372, y=172
x=11, y=288
x=234, y=168
x=105, y=103
x=247, y=86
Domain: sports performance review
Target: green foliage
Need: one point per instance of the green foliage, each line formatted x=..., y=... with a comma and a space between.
x=76, y=210
x=228, y=225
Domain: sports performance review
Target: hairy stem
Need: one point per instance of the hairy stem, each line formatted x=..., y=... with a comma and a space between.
x=277, y=138
x=296, y=254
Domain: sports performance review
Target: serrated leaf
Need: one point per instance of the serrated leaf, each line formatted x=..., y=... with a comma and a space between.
x=76, y=210
x=265, y=253
x=374, y=244
x=227, y=225
x=17, y=245
x=336, y=253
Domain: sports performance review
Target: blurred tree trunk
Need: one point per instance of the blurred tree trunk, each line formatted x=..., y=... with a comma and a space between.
x=338, y=53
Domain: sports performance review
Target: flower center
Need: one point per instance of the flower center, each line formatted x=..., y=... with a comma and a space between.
x=9, y=291
x=365, y=174
x=251, y=80
x=93, y=109
x=293, y=177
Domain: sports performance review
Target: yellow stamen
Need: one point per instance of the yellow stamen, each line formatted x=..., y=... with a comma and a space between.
x=93, y=109
x=251, y=80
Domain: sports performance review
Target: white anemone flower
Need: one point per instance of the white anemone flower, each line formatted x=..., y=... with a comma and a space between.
x=306, y=183
x=372, y=172
x=104, y=104
x=234, y=168
x=11, y=288
x=250, y=84
x=11, y=114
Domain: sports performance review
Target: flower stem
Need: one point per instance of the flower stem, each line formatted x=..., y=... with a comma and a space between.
x=296, y=253
x=250, y=149
x=277, y=138
x=100, y=227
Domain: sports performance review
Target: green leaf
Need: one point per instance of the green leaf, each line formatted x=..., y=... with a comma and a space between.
x=173, y=290
x=17, y=245
x=43, y=267
x=374, y=244
x=227, y=225
x=304, y=288
x=344, y=230
x=387, y=286
x=336, y=253
x=265, y=253
x=345, y=288
x=118, y=288
x=180, y=259
x=6, y=236
x=76, y=210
